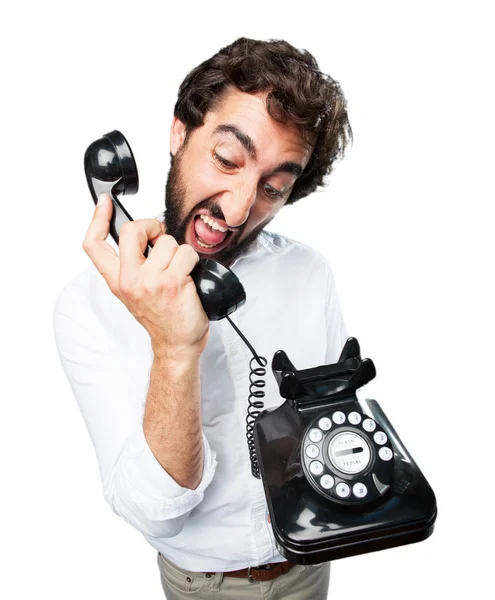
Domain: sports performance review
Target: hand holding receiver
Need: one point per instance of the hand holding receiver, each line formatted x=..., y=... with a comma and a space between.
x=170, y=292
x=157, y=291
x=110, y=168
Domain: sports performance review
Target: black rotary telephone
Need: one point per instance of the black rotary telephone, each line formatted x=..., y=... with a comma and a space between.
x=337, y=478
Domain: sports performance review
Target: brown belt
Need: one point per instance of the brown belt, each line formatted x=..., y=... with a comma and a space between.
x=261, y=573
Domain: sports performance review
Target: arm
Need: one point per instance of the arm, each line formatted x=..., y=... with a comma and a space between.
x=174, y=405
x=112, y=403
x=155, y=466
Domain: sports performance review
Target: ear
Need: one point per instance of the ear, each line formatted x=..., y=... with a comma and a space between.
x=177, y=135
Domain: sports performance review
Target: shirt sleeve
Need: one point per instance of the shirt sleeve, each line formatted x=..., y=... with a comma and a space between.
x=135, y=485
x=337, y=333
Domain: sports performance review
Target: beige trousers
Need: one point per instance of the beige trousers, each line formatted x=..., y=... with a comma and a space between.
x=300, y=583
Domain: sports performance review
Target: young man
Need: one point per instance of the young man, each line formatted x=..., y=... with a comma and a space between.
x=162, y=390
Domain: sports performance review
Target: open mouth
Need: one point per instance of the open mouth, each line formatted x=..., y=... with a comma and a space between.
x=206, y=235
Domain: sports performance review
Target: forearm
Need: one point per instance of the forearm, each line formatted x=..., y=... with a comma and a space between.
x=172, y=419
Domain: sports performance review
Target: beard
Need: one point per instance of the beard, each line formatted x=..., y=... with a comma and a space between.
x=176, y=222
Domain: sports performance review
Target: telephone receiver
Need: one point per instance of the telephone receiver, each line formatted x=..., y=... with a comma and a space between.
x=110, y=168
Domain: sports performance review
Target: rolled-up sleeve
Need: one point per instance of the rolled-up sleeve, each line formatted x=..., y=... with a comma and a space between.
x=135, y=485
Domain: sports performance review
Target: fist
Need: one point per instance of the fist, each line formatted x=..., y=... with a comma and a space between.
x=158, y=290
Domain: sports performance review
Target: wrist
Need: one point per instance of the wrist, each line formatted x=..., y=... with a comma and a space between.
x=175, y=360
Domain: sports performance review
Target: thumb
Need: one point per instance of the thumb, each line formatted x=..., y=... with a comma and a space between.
x=100, y=223
x=104, y=202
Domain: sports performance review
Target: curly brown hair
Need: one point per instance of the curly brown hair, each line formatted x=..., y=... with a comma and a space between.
x=298, y=93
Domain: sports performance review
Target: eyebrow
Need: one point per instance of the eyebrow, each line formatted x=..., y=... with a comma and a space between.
x=286, y=167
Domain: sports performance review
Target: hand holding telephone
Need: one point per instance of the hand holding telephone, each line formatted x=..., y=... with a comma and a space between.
x=110, y=168
x=337, y=478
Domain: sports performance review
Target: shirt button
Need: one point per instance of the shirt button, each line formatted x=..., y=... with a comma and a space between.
x=233, y=350
x=257, y=526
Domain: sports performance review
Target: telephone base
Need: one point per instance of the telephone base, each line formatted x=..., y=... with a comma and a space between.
x=313, y=520
x=343, y=550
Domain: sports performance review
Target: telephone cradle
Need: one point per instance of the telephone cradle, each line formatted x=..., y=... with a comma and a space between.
x=337, y=478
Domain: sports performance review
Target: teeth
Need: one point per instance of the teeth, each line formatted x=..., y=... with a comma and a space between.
x=204, y=245
x=213, y=224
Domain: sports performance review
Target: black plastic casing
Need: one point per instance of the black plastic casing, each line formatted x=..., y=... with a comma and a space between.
x=310, y=529
x=312, y=524
x=110, y=169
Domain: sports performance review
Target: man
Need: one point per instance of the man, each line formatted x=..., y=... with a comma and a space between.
x=164, y=394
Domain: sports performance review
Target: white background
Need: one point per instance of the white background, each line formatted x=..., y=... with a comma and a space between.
x=405, y=223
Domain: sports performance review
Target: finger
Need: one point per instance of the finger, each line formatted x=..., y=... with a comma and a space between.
x=183, y=261
x=134, y=237
x=99, y=251
x=162, y=225
x=162, y=254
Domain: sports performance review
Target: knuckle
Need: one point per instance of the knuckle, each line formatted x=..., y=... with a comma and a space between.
x=171, y=239
x=132, y=228
x=127, y=285
x=167, y=240
x=126, y=228
x=149, y=287
x=87, y=245
x=162, y=227
x=187, y=249
x=170, y=285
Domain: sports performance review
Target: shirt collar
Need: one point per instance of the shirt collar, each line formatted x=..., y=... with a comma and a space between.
x=265, y=242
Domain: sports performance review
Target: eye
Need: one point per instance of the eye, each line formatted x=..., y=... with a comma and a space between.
x=224, y=162
x=271, y=192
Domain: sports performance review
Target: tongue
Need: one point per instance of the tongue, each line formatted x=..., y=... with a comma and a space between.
x=207, y=234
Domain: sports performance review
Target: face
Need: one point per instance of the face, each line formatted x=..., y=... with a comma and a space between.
x=231, y=176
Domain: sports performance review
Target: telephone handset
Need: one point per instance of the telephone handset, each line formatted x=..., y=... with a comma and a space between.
x=110, y=168
x=337, y=479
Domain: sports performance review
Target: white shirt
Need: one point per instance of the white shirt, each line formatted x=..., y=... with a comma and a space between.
x=291, y=304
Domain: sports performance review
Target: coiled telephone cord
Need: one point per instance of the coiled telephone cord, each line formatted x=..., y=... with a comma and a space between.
x=255, y=404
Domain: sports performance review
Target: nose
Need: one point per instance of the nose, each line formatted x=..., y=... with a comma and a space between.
x=239, y=202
